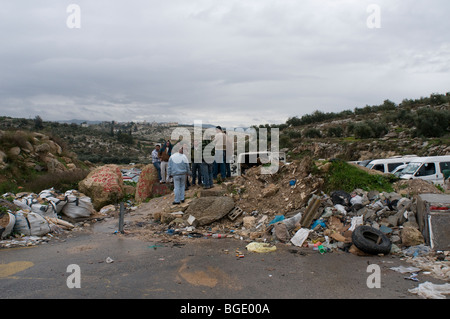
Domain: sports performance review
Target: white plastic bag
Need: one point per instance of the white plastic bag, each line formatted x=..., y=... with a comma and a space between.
x=300, y=236
x=341, y=209
x=356, y=200
x=291, y=222
x=356, y=221
x=429, y=290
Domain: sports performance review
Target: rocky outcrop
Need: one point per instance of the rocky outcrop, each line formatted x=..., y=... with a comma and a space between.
x=33, y=150
x=148, y=184
x=104, y=185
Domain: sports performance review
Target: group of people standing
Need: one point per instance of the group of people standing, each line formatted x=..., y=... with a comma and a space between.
x=177, y=167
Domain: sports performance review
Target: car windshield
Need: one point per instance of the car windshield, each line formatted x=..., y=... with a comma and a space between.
x=411, y=168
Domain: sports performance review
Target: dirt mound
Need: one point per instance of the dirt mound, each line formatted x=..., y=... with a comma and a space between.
x=415, y=186
x=285, y=191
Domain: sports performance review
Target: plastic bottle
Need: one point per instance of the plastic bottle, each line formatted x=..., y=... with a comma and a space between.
x=322, y=249
x=218, y=236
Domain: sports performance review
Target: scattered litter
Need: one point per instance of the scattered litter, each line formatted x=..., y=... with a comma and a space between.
x=300, y=236
x=413, y=277
x=260, y=247
x=235, y=213
x=109, y=260
x=429, y=290
x=277, y=219
x=404, y=270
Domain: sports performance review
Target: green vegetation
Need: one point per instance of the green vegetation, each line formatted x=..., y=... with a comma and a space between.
x=344, y=176
x=426, y=117
x=61, y=181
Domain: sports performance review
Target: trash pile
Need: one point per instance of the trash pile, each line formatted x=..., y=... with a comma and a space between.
x=361, y=222
x=28, y=218
x=279, y=193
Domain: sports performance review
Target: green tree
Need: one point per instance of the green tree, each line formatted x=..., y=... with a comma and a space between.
x=38, y=123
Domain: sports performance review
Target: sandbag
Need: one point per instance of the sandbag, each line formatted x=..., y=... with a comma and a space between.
x=32, y=204
x=78, y=205
x=52, y=198
x=30, y=224
x=7, y=227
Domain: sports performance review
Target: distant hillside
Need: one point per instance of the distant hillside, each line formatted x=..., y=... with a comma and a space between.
x=99, y=143
x=420, y=127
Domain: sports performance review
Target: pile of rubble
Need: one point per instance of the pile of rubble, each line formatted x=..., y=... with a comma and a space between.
x=279, y=193
x=288, y=207
x=328, y=220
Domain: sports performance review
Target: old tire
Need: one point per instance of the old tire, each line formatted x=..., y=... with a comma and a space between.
x=371, y=240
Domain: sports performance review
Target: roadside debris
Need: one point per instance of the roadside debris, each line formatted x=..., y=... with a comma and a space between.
x=260, y=247
x=429, y=290
x=28, y=219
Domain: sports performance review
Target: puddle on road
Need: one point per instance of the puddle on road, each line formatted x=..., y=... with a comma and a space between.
x=210, y=277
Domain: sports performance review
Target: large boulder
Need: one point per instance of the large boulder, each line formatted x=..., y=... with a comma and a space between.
x=209, y=209
x=104, y=185
x=148, y=184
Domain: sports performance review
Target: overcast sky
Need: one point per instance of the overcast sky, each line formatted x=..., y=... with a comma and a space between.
x=224, y=62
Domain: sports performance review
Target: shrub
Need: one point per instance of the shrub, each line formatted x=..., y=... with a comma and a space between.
x=343, y=176
x=432, y=123
x=362, y=130
x=312, y=133
x=370, y=129
x=61, y=181
x=335, y=131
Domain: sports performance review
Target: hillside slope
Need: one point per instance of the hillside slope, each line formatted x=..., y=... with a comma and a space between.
x=420, y=127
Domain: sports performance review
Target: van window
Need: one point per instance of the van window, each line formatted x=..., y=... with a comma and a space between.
x=427, y=169
x=393, y=166
x=379, y=167
x=444, y=166
x=411, y=168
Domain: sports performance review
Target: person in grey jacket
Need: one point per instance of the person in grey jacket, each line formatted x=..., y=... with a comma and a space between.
x=178, y=169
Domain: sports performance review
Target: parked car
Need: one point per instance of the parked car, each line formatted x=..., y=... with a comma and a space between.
x=431, y=169
x=387, y=165
x=398, y=170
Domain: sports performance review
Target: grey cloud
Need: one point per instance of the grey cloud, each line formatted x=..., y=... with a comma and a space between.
x=230, y=62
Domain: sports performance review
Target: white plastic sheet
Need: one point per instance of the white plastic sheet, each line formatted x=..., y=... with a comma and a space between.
x=429, y=290
x=300, y=236
x=356, y=221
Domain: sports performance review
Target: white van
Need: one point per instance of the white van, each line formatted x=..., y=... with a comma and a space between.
x=388, y=165
x=428, y=168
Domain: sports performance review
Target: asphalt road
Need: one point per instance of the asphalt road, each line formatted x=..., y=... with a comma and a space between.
x=191, y=269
